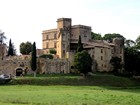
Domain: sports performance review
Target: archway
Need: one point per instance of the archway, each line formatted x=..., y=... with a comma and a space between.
x=19, y=71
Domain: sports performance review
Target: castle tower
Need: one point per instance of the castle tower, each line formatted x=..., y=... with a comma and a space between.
x=119, y=48
x=63, y=23
x=63, y=45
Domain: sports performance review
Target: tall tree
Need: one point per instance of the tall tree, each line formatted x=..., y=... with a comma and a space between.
x=10, y=49
x=83, y=62
x=34, y=59
x=96, y=36
x=80, y=45
x=25, y=48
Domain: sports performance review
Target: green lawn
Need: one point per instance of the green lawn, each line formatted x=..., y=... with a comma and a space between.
x=100, y=89
x=67, y=95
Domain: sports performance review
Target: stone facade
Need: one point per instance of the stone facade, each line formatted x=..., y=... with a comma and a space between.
x=64, y=40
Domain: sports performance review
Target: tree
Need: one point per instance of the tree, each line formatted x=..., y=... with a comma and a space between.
x=96, y=36
x=138, y=43
x=116, y=63
x=83, y=62
x=132, y=59
x=80, y=45
x=25, y=48
x=109, y=37
x=34, y=59
x=52, y=51
x=129, y=43
x=10, y=49
x=138, y=40
x=2, y=37
x=14, y=49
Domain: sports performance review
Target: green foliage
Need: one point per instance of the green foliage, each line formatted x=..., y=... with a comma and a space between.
x=46, y=56
x=129, y=43
x=109, y=37
x=25, y=48
x=116, y=63
x=96, y=36
x=132, y=60
x=138, y=40
x=80, y=45
x=83, y=62
x=53, y=51
x=10, y=49
x=33, y=58
x=138, y=43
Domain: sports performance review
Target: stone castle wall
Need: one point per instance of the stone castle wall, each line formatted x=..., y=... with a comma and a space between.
x=10, y=64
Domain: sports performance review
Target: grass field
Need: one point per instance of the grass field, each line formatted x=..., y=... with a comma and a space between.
x=67, y=95
x=71, y=90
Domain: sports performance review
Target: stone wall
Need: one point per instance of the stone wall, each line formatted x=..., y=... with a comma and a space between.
x=10, y=64
x=53, y=66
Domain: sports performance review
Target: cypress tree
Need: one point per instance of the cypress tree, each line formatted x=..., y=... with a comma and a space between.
x=10, y=50
x=80, y=45
x=34, y=59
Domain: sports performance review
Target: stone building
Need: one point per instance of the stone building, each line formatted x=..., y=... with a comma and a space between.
x=64, y=40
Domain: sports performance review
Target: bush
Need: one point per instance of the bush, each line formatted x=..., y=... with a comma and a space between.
x=46, y=56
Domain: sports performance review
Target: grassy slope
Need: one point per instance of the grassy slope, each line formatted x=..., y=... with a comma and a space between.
x=97, y=80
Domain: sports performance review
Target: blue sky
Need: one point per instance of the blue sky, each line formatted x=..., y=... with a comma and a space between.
x=24, y=20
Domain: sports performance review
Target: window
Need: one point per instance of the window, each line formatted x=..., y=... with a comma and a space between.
x=47, y=37
x=102, y=65
x=92, y=56
x=47, y=44
x=55, y=36
x=101, y=57
x=85, y=35
x=55, y=44
x=101, y=50
x=63, y=51
x=63, y=45
x=120, y=51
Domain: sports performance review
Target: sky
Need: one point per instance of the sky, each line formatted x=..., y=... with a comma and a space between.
x=24, y=20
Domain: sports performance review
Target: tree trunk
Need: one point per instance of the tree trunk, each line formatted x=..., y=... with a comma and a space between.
x=34, y=73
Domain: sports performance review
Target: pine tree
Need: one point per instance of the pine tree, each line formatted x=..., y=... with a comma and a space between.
x=34, y=59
